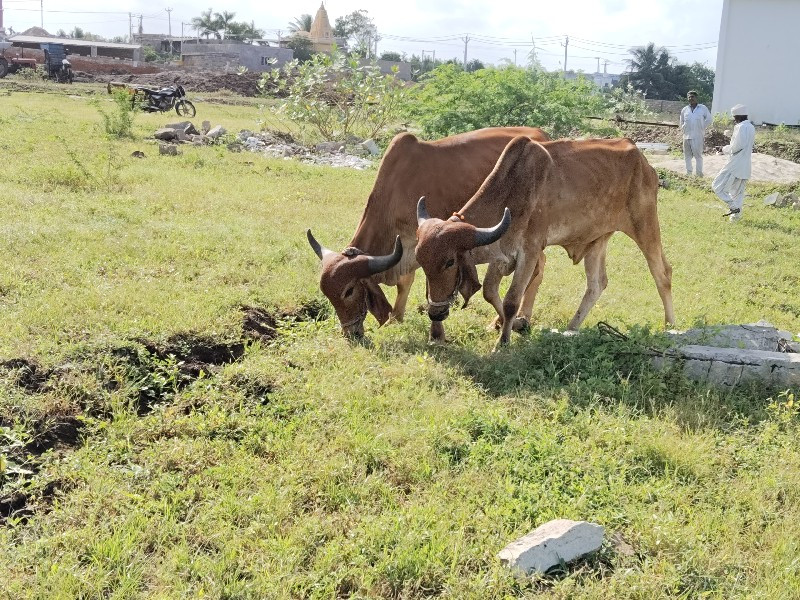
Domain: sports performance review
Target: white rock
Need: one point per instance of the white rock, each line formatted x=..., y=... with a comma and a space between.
x=218, y=131
x=549, y=544
x=771, y=199
x=371, y=147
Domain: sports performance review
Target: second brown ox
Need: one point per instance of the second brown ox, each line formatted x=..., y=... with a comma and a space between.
x=449, y=170
x=575, y=194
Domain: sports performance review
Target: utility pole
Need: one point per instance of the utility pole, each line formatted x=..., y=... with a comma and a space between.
x=130, y=28
x=598, y=63
x=169, y=21
x=465, y=39
x=515, y=57
x=2, y=31
x=565, y=44
x=141, y=29
x=41, y=11
x=605, y=67
x=533, y=51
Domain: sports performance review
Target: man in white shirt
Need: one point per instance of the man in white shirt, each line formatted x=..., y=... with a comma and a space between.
x=729, y=184
x=694, y=120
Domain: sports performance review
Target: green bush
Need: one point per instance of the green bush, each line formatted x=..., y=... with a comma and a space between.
x=336, y=95
x=119, y=122
x=450, y=101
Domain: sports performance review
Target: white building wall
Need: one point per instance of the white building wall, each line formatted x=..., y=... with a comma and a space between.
x=758, y=60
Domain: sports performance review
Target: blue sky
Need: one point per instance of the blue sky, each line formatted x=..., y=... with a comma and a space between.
x=597, y=28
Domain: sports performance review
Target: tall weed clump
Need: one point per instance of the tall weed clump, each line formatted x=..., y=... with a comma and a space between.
x=118, y=122
x=450, y=100
x=336, y=95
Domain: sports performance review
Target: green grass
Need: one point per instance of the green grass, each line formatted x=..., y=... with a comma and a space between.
x=310, y=467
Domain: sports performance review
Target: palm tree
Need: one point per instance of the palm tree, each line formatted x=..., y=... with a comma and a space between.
x=650, y=69
x=206, y=24
x=224, y=20
x=244, y=31
x=301, y=23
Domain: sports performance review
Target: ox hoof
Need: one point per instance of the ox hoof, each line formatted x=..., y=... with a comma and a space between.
x=437, y=335
x=522, y=325
x=496, y=324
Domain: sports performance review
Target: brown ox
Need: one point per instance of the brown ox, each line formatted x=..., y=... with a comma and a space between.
x=449, y=171
x=574, y=194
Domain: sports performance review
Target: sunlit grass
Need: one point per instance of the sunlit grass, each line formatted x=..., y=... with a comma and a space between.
x=311, y=467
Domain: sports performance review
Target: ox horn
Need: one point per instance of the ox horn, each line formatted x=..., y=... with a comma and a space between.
x=488, y=235
x=422, y=211
x=320, y=250
x=378, y=264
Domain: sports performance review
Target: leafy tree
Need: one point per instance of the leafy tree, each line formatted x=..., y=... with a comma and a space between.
x=651, y=71
x=76, y=33
x=244, y=31
x=224, y=20
x=337, y=95
x=395, y=56
x=474, y=65
x=61, y=33
x=207, y=24
x=359, y=30
x=302, y=47
x=301, y=23
x=450, y=100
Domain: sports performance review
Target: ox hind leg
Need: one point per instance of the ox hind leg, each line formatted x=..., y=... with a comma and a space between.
x=523, y=320
x=594, y=263
x=403, y=290
x=647, y=235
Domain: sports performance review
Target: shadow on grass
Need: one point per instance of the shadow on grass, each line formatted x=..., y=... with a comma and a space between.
x=602, y=367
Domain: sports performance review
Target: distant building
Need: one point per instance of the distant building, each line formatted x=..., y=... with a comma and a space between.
x=225, y=55
x=757, y=60
x=321, y=34
x=601, y=80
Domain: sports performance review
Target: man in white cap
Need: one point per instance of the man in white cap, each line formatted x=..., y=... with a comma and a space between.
x=694, y=120
x=730, y=182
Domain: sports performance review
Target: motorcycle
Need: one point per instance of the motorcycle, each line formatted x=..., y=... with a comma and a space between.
x=173, y=96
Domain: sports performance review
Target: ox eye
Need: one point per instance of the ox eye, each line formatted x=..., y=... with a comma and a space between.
x=449, y=263
x=348, y=293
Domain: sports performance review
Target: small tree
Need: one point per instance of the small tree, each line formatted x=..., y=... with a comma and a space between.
x=450, y=100
x=394, y=56
x=359, y=30
x=336, y=95
x=301, y=46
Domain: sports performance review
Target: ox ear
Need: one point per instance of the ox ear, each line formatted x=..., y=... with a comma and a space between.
x=470, y=283
x=377, y=303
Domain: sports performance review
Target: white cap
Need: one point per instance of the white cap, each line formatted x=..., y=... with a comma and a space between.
x=739, y=110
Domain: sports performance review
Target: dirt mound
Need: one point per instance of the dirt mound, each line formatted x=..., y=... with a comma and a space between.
x=715, y=139
x=653, y=133
x=244, y=84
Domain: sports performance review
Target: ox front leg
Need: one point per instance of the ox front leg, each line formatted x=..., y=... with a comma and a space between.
x=437, y=335
x=404, y=283
x=491, y=293
x=594, y=262
x=513, y=299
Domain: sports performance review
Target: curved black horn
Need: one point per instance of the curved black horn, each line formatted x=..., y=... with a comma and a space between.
x=422, y=211
x=320, y=250
x=488, y=235
x=378, y=264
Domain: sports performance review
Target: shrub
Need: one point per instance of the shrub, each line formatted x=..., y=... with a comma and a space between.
x=450, y=101
x=119, y=122
x=336, y=95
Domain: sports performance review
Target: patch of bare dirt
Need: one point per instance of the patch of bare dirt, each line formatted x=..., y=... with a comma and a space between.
x=244, y=84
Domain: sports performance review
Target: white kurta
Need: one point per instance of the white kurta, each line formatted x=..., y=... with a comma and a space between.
x=729, y=183
x=694, y=122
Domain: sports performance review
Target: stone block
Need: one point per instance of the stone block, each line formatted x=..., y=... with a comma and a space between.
x=206, y=127
x=371, y=147
x=165, y=134
x=218, y=131
x=549, y=544
x=168, y=149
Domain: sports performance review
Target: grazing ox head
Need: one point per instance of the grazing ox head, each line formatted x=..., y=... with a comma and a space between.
x=347, y=282
x=442, y=252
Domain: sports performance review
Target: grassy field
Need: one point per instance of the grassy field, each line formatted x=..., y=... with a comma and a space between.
x=181, y=418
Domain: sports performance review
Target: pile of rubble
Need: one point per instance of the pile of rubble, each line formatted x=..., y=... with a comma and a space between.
x=184, y=132
x=777, y=200
x=332, y=154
